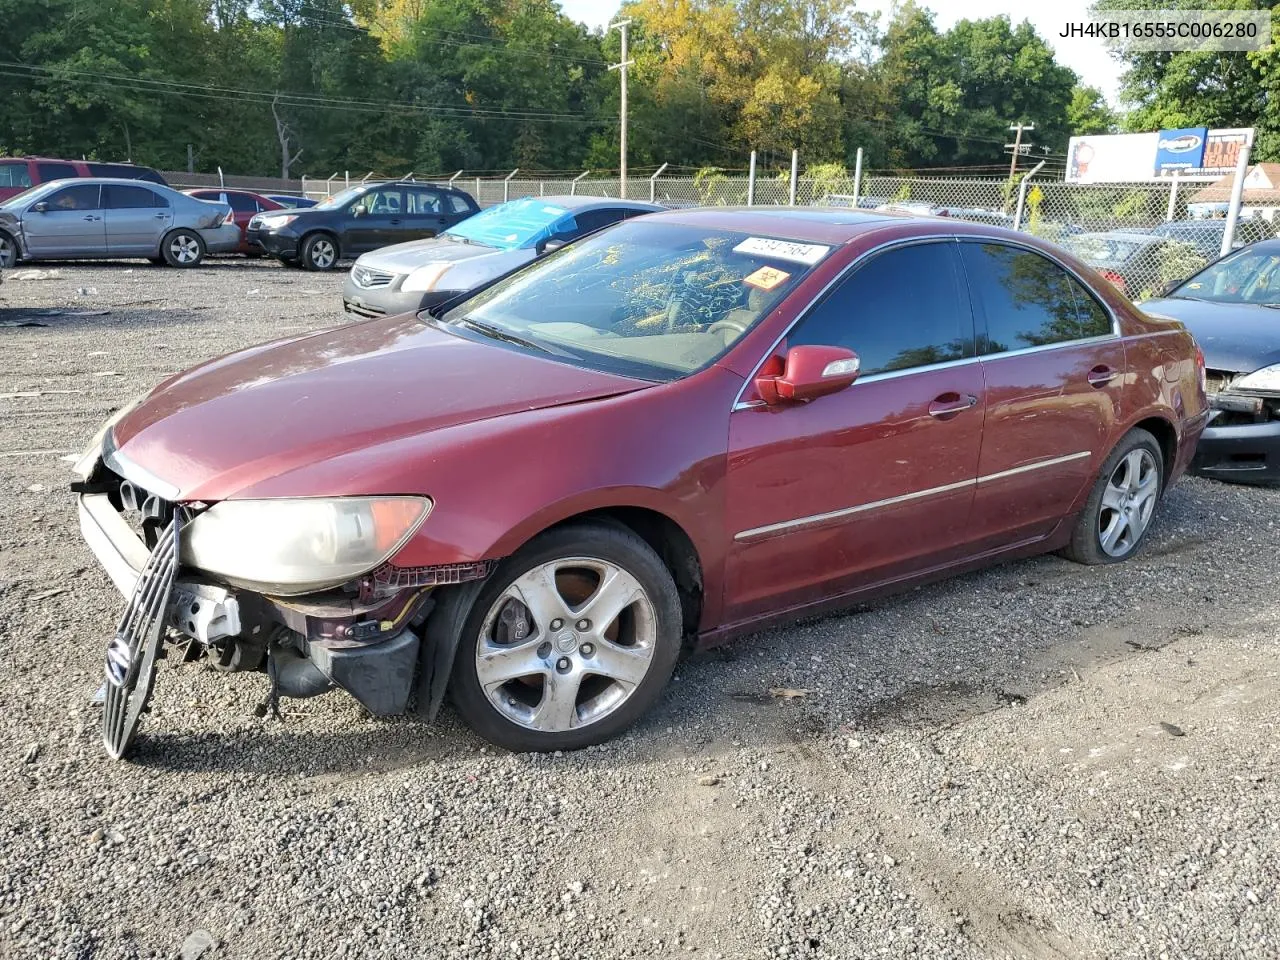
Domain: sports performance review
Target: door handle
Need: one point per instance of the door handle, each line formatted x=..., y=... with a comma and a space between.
x=90, y=216
x=1101, y=375
x=395, y=221
x=161, y=216
x=947, y=405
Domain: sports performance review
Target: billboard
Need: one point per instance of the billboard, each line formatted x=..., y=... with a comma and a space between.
x=1181, y=150
x=1133, y=157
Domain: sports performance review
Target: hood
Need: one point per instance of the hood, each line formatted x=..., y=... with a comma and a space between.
x=1239, y=337
x=234, y=422
x=406, y=257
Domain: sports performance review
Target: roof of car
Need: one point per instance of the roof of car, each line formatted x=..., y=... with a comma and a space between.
x=819, y=224
x=574, y=202
x=121, y=181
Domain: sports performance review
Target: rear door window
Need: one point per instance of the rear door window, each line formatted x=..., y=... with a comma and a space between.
x=80, y=197
x=55, y=171
x=242, y=202
x=424, y=203
x=119, y=197
x=14, y=175
x=1023, y=299
x=903, y=308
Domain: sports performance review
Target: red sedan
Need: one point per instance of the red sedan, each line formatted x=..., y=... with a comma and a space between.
x=244, y=205
x=682, y=428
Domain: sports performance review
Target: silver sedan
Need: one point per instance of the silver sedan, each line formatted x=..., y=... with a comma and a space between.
x=99, y=218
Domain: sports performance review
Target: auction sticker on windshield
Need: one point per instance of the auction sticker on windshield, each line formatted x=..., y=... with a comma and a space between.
x=806, y=253
x=766, y=278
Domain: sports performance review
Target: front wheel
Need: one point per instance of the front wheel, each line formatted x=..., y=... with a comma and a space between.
x=182, y=248
x=570, y=641
x=1123, y=501
x=8, y=251
x=319, y=252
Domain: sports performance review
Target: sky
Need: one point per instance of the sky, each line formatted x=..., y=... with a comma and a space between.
x=1086, y=57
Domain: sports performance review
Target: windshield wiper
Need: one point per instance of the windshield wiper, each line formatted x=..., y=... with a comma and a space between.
x=505, y=336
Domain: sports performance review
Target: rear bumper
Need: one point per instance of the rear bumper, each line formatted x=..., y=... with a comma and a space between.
x=1244, y=453
x=222, y=239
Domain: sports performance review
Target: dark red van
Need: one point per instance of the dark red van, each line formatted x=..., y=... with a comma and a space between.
x=22, y=173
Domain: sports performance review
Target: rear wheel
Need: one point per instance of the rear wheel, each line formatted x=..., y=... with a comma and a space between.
x=570, y=641
x=319, y=252
x=1123, y=501
x=8, y=251
x=182, y=248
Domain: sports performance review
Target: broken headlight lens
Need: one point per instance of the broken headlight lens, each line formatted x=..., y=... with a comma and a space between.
x=1266, y=380
x=290, y=547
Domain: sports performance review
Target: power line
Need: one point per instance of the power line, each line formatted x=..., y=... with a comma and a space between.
x=234, y=94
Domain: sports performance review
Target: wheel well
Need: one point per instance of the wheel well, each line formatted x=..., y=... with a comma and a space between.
x=1162, y=430
x=671, y=543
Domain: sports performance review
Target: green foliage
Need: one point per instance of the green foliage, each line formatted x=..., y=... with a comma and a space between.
x=490, y=85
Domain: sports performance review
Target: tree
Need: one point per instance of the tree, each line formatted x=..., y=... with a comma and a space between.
x=1088, y=112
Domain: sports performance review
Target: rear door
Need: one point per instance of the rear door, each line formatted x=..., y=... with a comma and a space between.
x=1054, y=366
x=70, y=226
x=875, y=482
x=136, y=218
x=426, y=214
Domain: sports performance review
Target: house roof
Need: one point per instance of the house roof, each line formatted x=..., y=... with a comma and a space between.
x=1261, y=187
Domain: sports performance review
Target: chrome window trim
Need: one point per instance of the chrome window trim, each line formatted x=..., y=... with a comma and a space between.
x=956, y=238
x=817, y=518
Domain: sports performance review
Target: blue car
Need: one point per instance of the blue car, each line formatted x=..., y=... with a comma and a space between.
x=1232, y=308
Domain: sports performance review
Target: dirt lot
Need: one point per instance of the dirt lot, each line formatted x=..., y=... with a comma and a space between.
x=1041, y=761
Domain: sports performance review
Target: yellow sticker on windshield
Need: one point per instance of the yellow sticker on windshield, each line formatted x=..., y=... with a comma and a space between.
x=766, y=278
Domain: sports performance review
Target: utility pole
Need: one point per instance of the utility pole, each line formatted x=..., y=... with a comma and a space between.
x=621, y=26
x=1017, y=145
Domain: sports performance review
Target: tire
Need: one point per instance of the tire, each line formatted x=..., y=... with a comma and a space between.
x=8, y=251
x=1118, y=513
x=604, y=686
x=319, y=252
x=182, y=248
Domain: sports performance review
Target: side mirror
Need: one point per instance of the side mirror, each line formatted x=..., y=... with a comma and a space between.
x=40, y=207
x=1167, y=288
x=550, y=244
x=809, y=372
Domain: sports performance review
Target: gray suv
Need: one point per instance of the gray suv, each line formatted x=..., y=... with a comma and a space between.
x=98, y=218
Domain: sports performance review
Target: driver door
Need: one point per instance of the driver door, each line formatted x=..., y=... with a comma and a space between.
x=373, y=218
x=875, y=482
x=71, y=224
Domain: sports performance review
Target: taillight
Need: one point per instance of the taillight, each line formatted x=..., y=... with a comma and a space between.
x=229, y=218
x=1200, y=371
x=1114, y=278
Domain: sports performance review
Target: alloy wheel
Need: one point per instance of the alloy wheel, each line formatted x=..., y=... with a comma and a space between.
x=323, y=254
x=1128, y=503
x=185, y=248
x=566, y=644
x=8, y=252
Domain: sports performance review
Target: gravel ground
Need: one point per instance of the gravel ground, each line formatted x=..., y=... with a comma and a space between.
x=1041, y=760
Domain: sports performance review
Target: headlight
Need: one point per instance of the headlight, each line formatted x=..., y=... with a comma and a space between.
x=288, y=547
x=272, y=223
x=425, y=278
x=84, y=466
x=1266, y=380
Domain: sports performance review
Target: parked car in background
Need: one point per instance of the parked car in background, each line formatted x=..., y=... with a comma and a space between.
x=420, y=273
x=683, y=428
x=21, y=173
x=96, y=218
x=1232, y=308
x=1206, y=235
x=358, y=220
x=1131, y=261
x=290, y=201
x=244, y=205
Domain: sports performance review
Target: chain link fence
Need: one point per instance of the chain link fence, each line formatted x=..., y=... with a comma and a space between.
x=1140, y=236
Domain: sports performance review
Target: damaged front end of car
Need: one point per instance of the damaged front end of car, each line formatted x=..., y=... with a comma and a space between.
x=1242, y=440
x=302, y=590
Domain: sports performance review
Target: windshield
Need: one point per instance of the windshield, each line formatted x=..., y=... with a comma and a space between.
x=1102, y=250
x=651, y=300
x=31, y=193
x=1250, y=276
x=342, y=198
x=520, y=223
